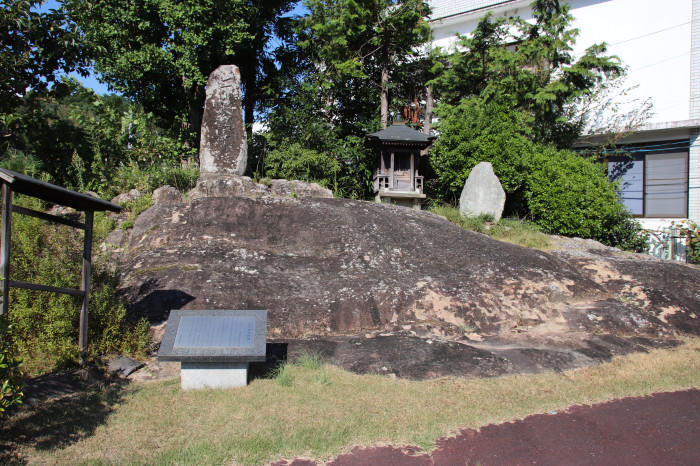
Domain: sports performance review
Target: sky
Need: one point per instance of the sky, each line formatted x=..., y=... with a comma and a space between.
x=93, y=83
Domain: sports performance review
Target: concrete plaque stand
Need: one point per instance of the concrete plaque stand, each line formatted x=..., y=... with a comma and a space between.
x=213, y=375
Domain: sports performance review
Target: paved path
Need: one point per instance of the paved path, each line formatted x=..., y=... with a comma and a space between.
x=661, y=429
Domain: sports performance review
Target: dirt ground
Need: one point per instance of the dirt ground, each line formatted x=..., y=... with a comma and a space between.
x=663, y=428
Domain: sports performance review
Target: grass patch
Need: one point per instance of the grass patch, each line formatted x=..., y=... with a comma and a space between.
x=265, y=421
x=283, y=375
x=311, y=361
x=511, y=230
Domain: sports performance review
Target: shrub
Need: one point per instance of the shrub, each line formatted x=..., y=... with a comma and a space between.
x=45, y=325
x=474, y=132
x=132, y=176
x=560, y=191
x=571, y=195
x=10, y=387
x=293, y=162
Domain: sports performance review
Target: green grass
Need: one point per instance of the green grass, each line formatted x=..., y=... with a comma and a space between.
x=283, y=375
x=157, y=423
x=311, y=361
x=514, y=231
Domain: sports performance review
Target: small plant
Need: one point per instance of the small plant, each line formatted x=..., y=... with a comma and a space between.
x=469, y=328
x=283, y=375
x=321, y=378
x=311, y=361
x=10, y=389
x=692, y=233
x=134, y=208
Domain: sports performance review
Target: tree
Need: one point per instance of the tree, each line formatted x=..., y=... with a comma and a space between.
x=475, y=131
x=345, y=71
x=161, y=52
x=512, y=106
x=34, y=46
x=364, y=41
x=531, y=66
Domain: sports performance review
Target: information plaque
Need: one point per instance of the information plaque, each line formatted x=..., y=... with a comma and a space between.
x=214, y=336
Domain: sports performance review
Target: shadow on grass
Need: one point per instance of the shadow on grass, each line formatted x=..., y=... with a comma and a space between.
x=59, y=409
x=275, y=355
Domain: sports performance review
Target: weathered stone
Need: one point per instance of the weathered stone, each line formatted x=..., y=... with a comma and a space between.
x=298, y=189
x=223, y=147
x=482, y=193
x=117, y=238
x=330, y=267
x=334, y=265
x=123, y=366
x=167, y=195
x=123, y=198
x=209, y=186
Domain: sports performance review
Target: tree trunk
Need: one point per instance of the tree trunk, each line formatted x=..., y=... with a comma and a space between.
x=249, y=100
x=429, y=102
x=249, y=118
x=195, y=96
x=428, y=119
x=385, y=97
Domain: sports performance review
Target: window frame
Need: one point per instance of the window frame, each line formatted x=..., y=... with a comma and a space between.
x=638, y=152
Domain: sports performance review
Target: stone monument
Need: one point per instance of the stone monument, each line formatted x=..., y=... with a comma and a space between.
x=223, y=147
x=482, y=193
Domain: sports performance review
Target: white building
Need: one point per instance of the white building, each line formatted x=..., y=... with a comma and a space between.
x=659, y=44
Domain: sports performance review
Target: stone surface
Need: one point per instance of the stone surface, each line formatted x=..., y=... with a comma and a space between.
x=167, y=195
x=199, y=375
x=223, y=147
x=123, y=366
x=403, y=354
x=328, y=267
x=209, y=186
x=116, y=238
x=123, y=198
x=482, y=193
x=381, y=289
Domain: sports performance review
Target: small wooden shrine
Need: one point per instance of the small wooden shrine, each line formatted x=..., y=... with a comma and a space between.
x=397, y=180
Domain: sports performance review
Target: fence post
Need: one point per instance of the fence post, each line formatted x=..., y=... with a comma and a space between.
x=6, y=235
x=85, y=287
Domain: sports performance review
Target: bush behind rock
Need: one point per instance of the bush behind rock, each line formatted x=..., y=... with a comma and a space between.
x=559, y=190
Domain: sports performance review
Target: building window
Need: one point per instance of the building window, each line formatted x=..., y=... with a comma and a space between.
x=652, y=184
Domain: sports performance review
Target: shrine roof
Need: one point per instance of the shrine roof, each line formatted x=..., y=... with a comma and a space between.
x=400, y=133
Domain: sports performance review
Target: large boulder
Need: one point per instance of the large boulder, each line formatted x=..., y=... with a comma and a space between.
x=482, y=193
x=329, y=266
x=380, y=289
x=223, y=148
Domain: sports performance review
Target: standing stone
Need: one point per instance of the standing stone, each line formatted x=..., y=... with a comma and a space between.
x=223, y=147
x=482, y=193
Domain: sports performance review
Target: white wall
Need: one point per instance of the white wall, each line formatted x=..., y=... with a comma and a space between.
x=652, y=39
